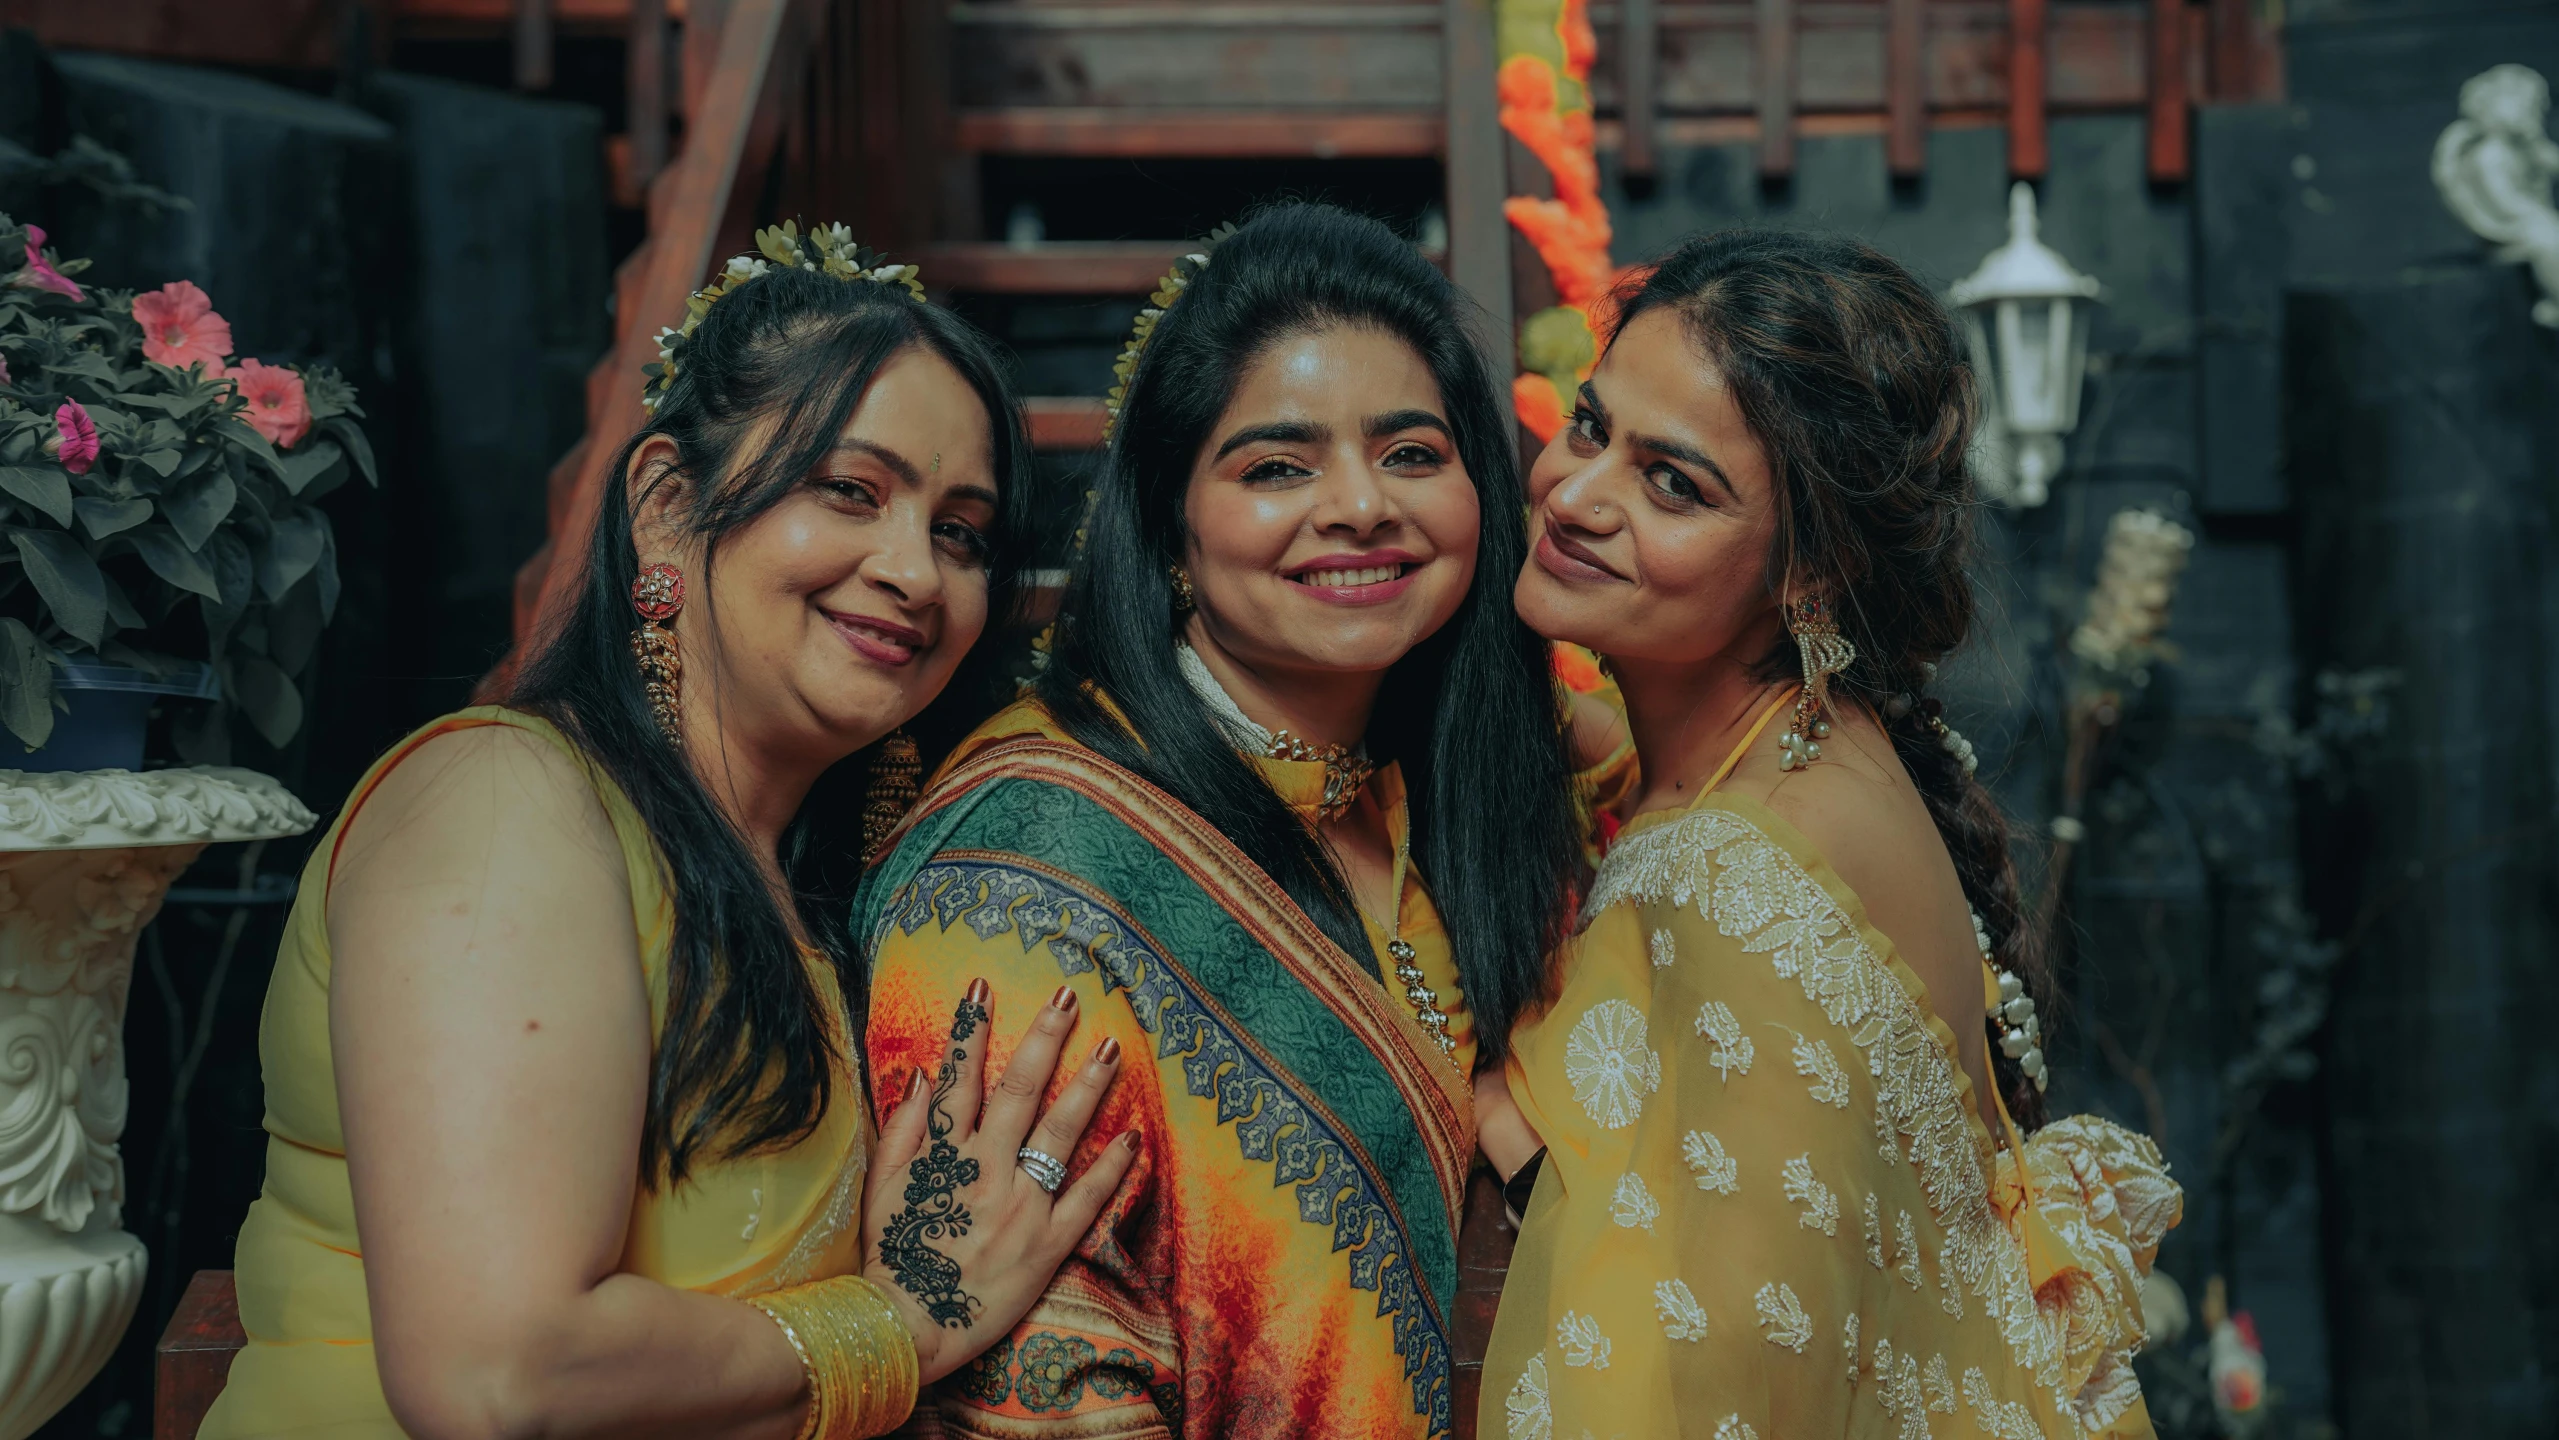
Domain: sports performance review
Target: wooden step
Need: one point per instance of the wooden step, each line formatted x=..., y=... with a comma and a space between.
x=1115, y=133
x=1060, y=267
x=1064, y=422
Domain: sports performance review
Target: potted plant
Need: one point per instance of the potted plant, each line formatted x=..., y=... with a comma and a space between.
x=158, y=499
x=158, y=534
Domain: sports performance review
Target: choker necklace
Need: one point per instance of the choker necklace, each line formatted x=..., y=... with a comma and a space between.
x=1346, y=769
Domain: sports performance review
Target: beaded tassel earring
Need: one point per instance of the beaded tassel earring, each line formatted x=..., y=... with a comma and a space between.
x=897, y=773
x=657, y=595
x=1825, y=652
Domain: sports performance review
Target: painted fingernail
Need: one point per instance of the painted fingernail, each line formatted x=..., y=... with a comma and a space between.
x=1134, y=1139
x=977, y=992
x=1108, y=1052
x=1064, y=999
x=914, y=1085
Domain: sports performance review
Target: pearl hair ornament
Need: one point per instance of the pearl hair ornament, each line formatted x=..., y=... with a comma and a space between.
x=2021, y=1035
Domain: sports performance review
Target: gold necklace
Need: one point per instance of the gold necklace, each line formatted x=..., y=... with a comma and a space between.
x=1417, y=993
x=1346, y=771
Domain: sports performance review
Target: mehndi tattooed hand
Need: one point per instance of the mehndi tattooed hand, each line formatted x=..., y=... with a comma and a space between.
x=957, y=1230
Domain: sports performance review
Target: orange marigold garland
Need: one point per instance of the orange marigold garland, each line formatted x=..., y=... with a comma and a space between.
x=1547, y=47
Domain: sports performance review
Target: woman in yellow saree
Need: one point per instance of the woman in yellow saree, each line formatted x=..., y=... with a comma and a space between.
x=1785, y=1190
x=569, y=1130
x=1289, y=811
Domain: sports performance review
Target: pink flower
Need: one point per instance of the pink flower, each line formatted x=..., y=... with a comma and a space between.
x=76, y=446
x=4, y=369
x=38, y=275
x=277, y=408
x=180, y=329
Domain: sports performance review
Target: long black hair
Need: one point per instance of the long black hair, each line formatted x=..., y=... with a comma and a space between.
x=1851, y=374
x=1471, y=713
x=742, y=1062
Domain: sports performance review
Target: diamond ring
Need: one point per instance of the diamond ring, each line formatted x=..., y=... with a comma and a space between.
x=1046, y=1170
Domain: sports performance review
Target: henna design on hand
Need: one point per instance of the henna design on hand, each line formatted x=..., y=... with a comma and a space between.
x=933, y=1209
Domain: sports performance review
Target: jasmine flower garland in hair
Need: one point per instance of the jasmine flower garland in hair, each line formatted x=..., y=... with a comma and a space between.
x=824, y=249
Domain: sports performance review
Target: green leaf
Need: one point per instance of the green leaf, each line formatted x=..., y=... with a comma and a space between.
x=266, y=695
x=353, y=437
x=237, y=431
x=45, y=488
x=164, y=461
x=88, y=363
x=292, y=548
x=293, y=626
x=197, y=507
x=328, y=575
x=171, y=560
x=102, y=518
x=69, y=582
x=26, y=684
x=120, y=608
x=172, y=404
x=310, y=463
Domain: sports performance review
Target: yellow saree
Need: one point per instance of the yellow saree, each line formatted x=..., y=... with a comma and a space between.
x=737, y=1228
x=1282, y=1260
x=1770, y=1207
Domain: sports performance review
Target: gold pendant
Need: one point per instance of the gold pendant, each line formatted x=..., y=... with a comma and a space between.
x=1419, y=995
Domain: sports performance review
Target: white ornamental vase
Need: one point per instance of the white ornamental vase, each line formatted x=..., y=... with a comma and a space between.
x=86, y=857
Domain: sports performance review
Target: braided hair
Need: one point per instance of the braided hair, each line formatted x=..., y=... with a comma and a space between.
x=1854, y=379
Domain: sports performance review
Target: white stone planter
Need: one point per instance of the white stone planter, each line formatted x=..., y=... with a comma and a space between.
x=85, y=859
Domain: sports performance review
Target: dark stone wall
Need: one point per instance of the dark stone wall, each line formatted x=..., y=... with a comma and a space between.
x=505, y=314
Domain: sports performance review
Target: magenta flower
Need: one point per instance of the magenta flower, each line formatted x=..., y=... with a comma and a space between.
x=4, y=369
x=77, y=444
x=180, y=329
x=39, y=274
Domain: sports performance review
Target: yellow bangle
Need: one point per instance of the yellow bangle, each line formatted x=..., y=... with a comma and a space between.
x=857, y=1353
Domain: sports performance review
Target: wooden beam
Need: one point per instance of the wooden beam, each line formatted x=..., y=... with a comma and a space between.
x=1083, y=267
x=194, y=1355
x=697, y=192
x=1064, y=422
x=646, y=89
x=2167, y=141
x=1477, y=177
x=1776, y=80
x=1114, y=132
x=1905, y=87
x=1639, y=41
x=1692, y=132
x=2028, y=153
x=532, y=41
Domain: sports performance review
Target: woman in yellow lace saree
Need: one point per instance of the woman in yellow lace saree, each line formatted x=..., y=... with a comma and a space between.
x=1786, y=1189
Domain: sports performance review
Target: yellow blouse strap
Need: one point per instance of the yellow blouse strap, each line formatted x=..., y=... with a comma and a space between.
x=1726, y=769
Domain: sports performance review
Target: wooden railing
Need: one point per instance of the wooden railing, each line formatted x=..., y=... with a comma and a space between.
x=700, y=208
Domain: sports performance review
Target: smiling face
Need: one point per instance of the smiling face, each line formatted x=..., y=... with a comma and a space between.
x=1332, y=524
x=1653, y=512
x=840, y=612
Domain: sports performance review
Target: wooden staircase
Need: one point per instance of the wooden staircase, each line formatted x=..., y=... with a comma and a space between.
x=888, y=113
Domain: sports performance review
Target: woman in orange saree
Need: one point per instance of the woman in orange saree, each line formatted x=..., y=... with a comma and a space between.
x=1290, y=812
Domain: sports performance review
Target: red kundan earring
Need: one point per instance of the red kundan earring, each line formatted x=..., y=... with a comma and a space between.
x=656, y=595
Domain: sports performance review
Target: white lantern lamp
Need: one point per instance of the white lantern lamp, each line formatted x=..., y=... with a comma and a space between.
x=2026, y=312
